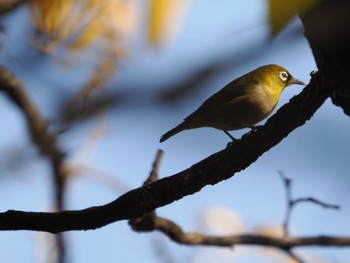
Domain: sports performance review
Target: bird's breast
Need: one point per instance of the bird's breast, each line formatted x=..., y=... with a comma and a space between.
x=247, y=110
x=262, y=102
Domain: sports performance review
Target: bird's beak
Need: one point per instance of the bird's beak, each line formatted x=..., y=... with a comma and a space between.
x=296, y=81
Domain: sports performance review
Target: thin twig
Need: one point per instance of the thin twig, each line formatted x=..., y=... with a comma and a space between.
x=293, y=256
x=86, y=103
x=291, y=203
x=315, y=201
x=146, y=221
x=153, y=176
x=175, y=233
x=287, y=184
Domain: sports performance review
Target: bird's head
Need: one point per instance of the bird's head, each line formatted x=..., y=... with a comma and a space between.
x=276, y=77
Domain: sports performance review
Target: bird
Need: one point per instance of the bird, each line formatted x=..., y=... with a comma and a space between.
x=242, y=103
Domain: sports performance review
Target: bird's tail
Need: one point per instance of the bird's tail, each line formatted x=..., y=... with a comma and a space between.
x=172, y=132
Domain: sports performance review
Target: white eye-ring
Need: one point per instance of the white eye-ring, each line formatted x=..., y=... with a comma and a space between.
x=284, y=76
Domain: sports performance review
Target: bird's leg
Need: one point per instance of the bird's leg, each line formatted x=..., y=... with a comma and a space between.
x=253, y=127
x=229, y=135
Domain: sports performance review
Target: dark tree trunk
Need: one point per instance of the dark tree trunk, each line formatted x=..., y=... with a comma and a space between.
x=327, y=28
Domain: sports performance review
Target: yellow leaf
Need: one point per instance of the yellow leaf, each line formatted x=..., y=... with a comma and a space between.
x=281, y=12
x=49, y=15
x=77, y=23
x=165, y=17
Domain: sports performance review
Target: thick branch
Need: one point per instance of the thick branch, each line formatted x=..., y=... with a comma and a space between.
x=218, y=167
x=327, y=29
x=152, y=222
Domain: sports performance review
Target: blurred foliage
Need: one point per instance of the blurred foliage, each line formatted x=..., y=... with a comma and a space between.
x=79, y=23
x=165, y=17
x=6, y=6
x=281, y=12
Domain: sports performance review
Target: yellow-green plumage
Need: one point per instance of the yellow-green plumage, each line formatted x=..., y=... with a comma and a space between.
x=242, y=103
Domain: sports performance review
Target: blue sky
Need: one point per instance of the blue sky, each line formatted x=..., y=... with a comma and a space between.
x=315, y=156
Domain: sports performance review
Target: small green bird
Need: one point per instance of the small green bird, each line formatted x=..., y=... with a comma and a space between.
x=242, y=103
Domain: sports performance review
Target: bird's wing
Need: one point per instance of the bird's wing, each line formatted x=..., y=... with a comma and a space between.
x=228, y=94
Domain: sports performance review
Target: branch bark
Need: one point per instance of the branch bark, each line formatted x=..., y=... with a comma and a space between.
x=216, y=168
x=327, y=29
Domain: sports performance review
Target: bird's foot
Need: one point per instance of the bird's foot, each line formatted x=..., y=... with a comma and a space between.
x=253, y=129
x=229, y=144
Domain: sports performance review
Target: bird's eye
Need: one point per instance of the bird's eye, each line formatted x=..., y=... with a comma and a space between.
x=284, y=76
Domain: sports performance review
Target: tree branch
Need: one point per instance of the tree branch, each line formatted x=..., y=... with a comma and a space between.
x=8, y=6
x=291, y=202
x=43, y=139
x=327, y=29
x=216, y=168
x=151, y=222
x=175, y=232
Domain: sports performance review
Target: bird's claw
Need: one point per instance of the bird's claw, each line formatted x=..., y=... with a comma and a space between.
x=229, y=144
x=253, y=130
